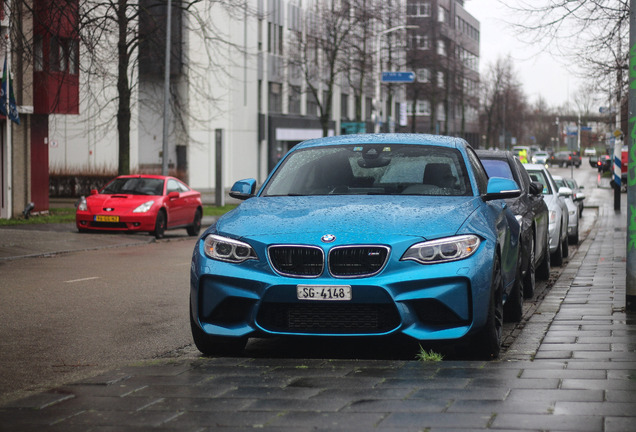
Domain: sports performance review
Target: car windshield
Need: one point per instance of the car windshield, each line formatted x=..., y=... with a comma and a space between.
x=571, y=184
x=372, y=169
x=539, y=177
x=497, y=168
x=135, y=186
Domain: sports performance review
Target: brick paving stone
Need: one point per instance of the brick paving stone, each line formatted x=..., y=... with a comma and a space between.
x=574, y=423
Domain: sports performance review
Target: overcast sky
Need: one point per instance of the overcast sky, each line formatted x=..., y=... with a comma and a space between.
x=539, y=73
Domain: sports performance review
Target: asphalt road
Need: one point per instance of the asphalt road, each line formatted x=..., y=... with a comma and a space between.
x=74, y=315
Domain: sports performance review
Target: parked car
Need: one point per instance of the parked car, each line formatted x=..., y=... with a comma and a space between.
x=578, y=194
x=565, y=159
x=361, y=236
x=567, y=196
x=532, y=213
x=540, y=157
x=558, y=210
x=141, y=203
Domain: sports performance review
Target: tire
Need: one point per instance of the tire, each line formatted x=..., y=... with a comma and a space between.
x=543, y=270
x=557, y=256
x=160, y=225
x=195, y=228
x=566, y=248
x=513, y=309
x=215, y=345
x=574, y=238
x=487, y=342
x=529, y=279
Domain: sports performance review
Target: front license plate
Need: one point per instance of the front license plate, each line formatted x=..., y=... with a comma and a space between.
x=323, y=292
x=101, y=218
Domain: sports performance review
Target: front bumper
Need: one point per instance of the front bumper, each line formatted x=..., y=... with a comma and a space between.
x=425, y=302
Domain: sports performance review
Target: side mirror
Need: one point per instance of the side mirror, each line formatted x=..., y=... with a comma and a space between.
x=94, y=192
x=565, y=192
x=243, y=189
x=501, y=188
x=173, y=195
x=536, y=188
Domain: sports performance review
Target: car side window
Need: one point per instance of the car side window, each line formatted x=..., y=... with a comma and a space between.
x=173, y=186
x=480, y=173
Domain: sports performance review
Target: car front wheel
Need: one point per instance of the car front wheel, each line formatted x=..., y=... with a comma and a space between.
x=160, y=225
x=529, y=278
x=487, y=343
x=195, y=228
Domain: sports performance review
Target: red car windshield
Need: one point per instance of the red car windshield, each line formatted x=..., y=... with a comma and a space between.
x=135, y=186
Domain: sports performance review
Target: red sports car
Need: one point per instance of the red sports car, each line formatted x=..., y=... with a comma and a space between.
x=151, y=203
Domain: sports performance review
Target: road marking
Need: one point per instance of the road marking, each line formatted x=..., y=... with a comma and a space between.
x=81, y=280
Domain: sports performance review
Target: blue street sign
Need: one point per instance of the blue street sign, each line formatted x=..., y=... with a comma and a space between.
x=405, y=77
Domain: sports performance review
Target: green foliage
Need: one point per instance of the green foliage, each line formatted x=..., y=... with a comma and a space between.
x=54, y=215
x=428, y=356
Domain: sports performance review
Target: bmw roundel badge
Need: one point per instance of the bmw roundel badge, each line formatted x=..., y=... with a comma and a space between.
x=328, y=238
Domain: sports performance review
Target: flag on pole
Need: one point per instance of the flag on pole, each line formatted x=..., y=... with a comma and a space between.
x=13, y=108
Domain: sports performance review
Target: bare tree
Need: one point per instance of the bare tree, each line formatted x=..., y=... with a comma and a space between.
x=320, y=49
x=590, y=35
x=503, y=102
x=110, y=34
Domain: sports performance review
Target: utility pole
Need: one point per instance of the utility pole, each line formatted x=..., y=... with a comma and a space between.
x=630, y=300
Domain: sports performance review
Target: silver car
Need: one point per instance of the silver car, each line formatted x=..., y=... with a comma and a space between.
x=559, y=219
x=567, y=195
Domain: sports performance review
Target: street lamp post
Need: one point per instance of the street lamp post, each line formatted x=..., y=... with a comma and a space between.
x=378, y=65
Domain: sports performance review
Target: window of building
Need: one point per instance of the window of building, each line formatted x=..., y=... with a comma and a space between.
x=344, y=106
x=440, y=79
x=423, y=75
x=63, y=55
x=423, y=108
x=294, y=99
x=419, y=9
x=422, y=42
x=443, y=15
x=38, y=50
x=441, y=48
x=275, y=98
x=312, y=104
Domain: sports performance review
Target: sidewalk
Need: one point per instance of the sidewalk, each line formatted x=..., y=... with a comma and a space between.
x=573, y=369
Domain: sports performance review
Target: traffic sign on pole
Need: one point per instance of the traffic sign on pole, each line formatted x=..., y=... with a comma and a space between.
x=398, y=77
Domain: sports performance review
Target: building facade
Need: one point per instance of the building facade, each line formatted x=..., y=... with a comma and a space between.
x=443, y=52
x=41, y=50
x=237, y=106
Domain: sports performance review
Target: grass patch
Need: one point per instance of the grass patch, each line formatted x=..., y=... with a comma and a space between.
x=428, y=356
x=55, y=215
x=218, y=211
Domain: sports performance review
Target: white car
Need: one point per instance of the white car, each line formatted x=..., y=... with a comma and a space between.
x=558, y=211
x=567, y=195
x=540, y=157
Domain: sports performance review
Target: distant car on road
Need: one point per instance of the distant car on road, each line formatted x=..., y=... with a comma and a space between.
x=532, y=213
x=540, y=157
x=558, y=225
x=141, y=203
x=361, y=236
x=565, y=159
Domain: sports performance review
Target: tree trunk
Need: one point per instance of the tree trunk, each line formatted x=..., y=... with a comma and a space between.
x=123, y=88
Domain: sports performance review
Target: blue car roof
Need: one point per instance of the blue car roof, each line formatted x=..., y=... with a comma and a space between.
x=394, y=138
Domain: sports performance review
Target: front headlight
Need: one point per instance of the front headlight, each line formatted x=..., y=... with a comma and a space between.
x=443, y=250
x=144, y=207
x=227, y=249
x=82, y=206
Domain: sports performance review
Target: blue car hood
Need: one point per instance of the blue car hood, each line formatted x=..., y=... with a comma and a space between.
x=354, y=217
